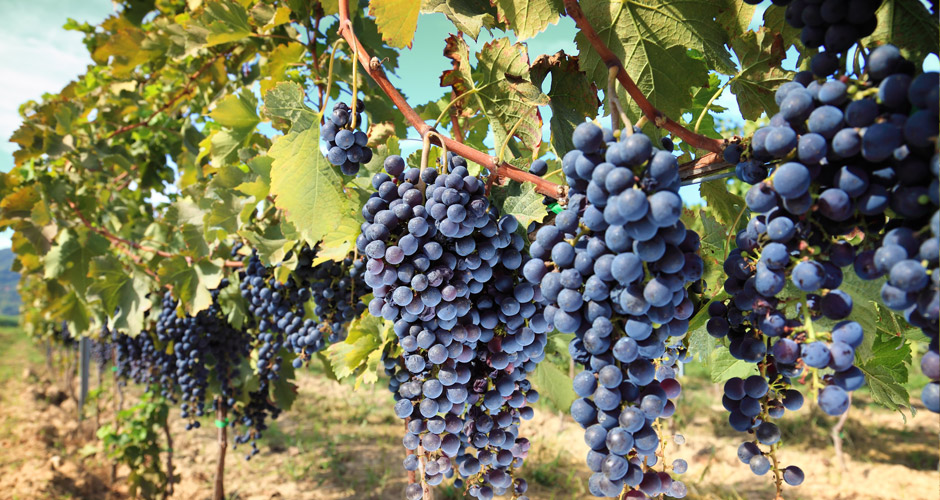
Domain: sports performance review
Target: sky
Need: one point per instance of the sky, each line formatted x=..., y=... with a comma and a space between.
x=37, y=56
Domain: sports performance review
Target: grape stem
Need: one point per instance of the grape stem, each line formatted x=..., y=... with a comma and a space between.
x=654, y=115
x=778, y=474
x=836, y=435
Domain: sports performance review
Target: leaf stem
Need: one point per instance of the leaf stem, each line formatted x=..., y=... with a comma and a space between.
x=708, y=104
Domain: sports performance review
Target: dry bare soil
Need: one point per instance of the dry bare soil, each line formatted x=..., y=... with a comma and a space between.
x=340, y=443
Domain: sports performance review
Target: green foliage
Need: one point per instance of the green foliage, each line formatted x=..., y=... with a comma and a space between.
x=135, y=441
x=198, y=127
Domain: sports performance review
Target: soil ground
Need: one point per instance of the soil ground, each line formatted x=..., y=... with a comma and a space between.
x=340, y=443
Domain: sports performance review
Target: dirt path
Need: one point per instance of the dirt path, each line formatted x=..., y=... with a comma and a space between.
x=337, y=443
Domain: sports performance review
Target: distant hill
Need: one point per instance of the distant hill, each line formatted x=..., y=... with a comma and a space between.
x=9, y=298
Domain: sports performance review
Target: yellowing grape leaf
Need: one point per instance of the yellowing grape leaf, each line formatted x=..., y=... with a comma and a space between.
x=308, y=188
x=397, y=20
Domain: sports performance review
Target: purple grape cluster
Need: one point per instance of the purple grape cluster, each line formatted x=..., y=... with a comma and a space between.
x=206, y=349
x=614, y=267
x=840, y=157
x=346, y=148
x=445, y=268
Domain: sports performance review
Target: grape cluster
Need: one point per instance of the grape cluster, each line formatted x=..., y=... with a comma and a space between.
x=337, y=289
x=833, y=24
x=140, y=360
x=444, y=267
x=101, y=348
x=614, y=267
x=278, y=310
x=207, y=348
x=845, y=156
x=346, y=148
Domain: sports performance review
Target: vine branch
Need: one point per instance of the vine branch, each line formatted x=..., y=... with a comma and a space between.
x=374, y=68
x=654, y=115
x=701, y=167
x=186, y=90
x=137, y=246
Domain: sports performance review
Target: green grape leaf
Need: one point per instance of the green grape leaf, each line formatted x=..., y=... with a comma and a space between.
x=702, y=97
x=722, y=366
x=468, y=16
x=191, y=281
x=70, y=257
x=909, y=26
x=885, y=361
x=226, y=21
x=528, y=18
x=271, y=244
x=572, y=97
x=285, y=102
x=726, y=206
x=397, y=20
x=665, y=48
x=363, y=337
x=71, y=309
x=237, y=111
x=308, y=188
x=760, y=54
x=521, y=201
x=121, y=291
x=554, y=384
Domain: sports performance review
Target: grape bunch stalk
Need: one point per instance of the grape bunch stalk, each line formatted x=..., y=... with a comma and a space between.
x=445, y=268
x=614, y=268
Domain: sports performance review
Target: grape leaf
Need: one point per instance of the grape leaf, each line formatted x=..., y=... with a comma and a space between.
x=468, y=16
x=908, y=25
x=226, y=21
x=760, y=54
x=572, y=97
x=309, y=189
x=70, y=257
x=237, y=111
x=397, y=20
x=504, y=92
x=885, y=363
x=554, y=384
x=529, y=17
x=280, y=60
x=726, y=206
x=702, y=97
x=722, y=366
x=285, y=102
x=363, y=337
x=521, y=201
x=121, y=291
x=71, y=309
x=191, y=281
x=660, y=47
